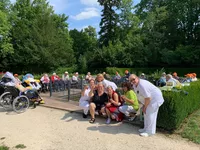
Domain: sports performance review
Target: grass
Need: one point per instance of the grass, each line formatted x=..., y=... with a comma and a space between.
x=4, y=147
x=191, y=127
x=20, y=146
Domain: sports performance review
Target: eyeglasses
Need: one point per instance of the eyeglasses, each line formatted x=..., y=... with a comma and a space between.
x=133, y=79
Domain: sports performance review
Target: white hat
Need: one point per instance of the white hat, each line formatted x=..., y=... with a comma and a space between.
x=142, y=74
x=54, y=73
x=76, y=72
x=66, y=72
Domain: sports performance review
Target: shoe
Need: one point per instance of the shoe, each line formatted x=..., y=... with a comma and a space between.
x=108, y=121
x=141, y=130
x=92, y=120
x=84, y=115
x=132, y=118
x=144, y=134
x=42, y=102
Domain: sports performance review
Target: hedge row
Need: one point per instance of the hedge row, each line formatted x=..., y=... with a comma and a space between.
x=149, y=71
x=178, y=105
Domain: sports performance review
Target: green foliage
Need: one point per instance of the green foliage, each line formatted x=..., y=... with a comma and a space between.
x=35, y=48
x=177, y=106
x=21, y=146
x=82, y=64
x=71, y=70
x=157, y=74
x=6, y=47
x=4, y=147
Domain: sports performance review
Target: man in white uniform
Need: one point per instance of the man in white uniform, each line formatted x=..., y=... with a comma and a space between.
x=153, y=99
x=85, y=98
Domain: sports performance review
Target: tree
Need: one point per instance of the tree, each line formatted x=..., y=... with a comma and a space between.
x=44, y=43
x=108, y=25
x=83, y=41
x=6, y=46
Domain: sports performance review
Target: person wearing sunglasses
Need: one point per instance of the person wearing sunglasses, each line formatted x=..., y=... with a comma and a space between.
x=152, y=99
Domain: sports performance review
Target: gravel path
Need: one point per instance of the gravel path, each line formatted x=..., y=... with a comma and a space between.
x=49, y=129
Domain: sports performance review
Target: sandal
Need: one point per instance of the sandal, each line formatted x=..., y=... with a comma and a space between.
x=92, y=120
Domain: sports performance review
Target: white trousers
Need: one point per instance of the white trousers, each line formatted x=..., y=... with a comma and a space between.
x=126, y=109
x=85, y=106
x=150, y=119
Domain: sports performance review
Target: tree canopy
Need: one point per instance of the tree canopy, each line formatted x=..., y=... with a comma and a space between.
x=33, y=38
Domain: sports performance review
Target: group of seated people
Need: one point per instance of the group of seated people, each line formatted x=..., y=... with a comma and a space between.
x=174, y=80
x=28, y=85
x=101, y=97
x=58, y=84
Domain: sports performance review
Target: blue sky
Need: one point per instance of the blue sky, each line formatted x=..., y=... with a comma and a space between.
x=82, y=13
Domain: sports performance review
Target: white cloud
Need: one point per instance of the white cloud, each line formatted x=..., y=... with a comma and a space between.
x=89, y=2
x=87, y=14
x=59, y=5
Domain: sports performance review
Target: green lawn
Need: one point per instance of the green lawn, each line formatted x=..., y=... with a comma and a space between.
x=191, y=127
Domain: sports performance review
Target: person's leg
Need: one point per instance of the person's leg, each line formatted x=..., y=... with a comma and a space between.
x=126, y=109
x=85, y=106
x=108, y=115
x=92, y=112
x=151, y=117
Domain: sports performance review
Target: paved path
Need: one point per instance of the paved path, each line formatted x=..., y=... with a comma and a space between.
x=51, y=129
x=58, y=101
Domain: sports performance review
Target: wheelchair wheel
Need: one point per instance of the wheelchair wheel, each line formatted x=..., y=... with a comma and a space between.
x=6, y=100
x=20, y=104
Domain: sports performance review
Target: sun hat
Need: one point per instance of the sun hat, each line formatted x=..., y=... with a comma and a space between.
x=66, y=72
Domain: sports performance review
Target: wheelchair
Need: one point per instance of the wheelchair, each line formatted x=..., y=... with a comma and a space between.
x=11, y=97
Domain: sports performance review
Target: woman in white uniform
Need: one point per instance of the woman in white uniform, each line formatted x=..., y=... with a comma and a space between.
x=85, y=98
x=152, y=100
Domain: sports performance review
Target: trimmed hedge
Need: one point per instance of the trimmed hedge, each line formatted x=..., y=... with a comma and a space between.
x=138, y=71
x=178, y=105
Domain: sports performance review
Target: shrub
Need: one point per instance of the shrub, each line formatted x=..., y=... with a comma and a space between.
x=61, y=70
x=178, y=105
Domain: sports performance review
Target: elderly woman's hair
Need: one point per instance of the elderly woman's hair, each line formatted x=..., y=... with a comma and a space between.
x=169, y=76
x=109, y=87
x=127, y=84
x=92, y=80
x=99, y=75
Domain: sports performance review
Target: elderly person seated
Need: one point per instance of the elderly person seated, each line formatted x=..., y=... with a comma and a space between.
x=75, y=77
x=106, y=83
x=142, y=76
x=131, y=104
x=88, y=77
x=65, y=78
x=114, y=101
x=17, y=78
x=45, y=82
x=85, y=97
x=162, y=80
x=175, y=76
x=98, y=101
x=170, y=81
x=117, y=77
x=56, y=82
